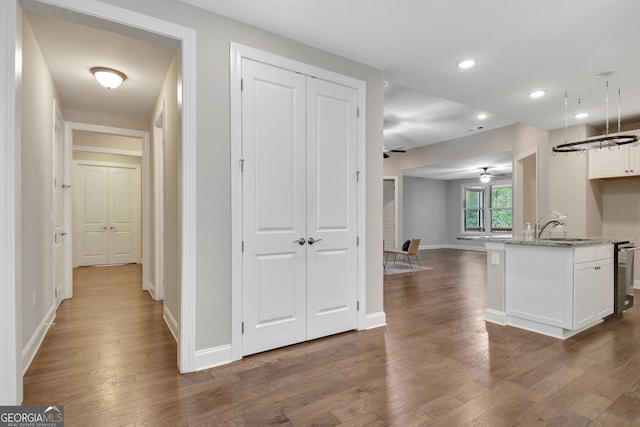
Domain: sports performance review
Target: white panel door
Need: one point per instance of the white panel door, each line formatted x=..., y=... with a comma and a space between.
x=331, y=208
x=108, y=214
x=124, y=202
x=92, y=215
x=274, y=212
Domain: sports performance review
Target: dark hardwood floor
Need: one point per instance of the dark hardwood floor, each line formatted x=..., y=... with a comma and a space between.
x=110, y=360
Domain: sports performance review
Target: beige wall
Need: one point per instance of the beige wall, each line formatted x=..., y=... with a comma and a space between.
x=101, y=140
x=570, y=190
x=518, y=139
x=171, y=209
x=621, y=213
x=36, y=187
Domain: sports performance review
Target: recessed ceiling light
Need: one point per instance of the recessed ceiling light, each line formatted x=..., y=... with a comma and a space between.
x=467, y=63
x=581, y=115
x=482, y=116
x=537, y=93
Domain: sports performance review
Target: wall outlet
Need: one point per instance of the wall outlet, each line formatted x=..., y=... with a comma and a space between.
x=495, y=258
x=35, y=301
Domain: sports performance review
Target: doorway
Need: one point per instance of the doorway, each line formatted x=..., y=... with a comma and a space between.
x=390, y=212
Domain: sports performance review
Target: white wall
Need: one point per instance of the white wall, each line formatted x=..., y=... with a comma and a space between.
x=38, y=95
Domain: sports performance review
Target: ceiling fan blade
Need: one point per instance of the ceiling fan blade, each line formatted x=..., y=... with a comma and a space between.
x=385, y=156
x=398, y=150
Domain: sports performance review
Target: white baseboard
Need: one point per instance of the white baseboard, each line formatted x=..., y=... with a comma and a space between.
x=375, y=320
x=636, y=284
x=32, y=347
x=171, y=322
x=463, y=247
x=151, y=288
x=212, y=357
x=494, y=316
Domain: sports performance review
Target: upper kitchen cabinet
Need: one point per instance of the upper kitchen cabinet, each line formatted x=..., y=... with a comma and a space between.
x=617, y=162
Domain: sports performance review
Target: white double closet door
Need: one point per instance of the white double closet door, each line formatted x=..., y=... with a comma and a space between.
x=299, y=207
x=107, y=213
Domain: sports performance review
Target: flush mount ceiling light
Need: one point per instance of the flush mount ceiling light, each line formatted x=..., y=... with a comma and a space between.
x=537, y=93
x=485, y=176
x=482, y=116
x=108, y=77
x=581, y=115
x=467, y=63
x=606, y=141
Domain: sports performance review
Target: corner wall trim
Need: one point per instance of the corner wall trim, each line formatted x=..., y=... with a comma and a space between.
x=212, y=357
x=497, y=317
x=171, y=322
x=376, y=320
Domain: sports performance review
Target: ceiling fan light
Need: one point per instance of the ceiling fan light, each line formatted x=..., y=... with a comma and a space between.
x=108, y=77
x=485, y=176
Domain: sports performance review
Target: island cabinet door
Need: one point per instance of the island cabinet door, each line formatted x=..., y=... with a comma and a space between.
x=593, y=292
x=584, y=296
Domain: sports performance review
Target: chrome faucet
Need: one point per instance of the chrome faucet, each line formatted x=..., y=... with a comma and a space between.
x=540, y=230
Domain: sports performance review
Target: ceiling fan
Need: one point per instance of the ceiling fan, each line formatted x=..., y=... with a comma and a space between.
x=386, y=151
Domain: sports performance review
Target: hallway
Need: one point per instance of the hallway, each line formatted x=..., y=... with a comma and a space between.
x=108, y=344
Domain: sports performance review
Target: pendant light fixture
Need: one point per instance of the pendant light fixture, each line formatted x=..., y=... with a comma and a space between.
x=108, y=77
x=485, y=176
x=606, y=141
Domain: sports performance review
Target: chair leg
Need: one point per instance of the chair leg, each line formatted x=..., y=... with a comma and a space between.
x=417, y=259
x=409, y=259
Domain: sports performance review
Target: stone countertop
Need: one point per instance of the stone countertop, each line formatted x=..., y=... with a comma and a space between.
x=554, y=241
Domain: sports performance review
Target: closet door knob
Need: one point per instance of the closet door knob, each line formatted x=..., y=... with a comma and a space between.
x=312, y=240
x=300, y=241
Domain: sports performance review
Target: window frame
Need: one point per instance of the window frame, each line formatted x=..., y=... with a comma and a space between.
x=487, y=210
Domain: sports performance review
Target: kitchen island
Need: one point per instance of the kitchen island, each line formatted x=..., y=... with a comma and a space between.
x=556, y=287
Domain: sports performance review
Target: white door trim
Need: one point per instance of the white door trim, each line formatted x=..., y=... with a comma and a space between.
x=146, y=188
x=237, y=52
x=10, y=227
x=10, y=89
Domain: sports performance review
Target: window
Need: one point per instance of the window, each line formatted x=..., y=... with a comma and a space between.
x=488, y=208
x=474, y=209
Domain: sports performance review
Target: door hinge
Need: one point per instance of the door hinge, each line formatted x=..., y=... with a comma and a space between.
x=357, y=305
x=357, y=240
x=243, y=246
x=357, y=176
x=357, y=111
x=242, y=165
x=243, y=327
x=241, y=85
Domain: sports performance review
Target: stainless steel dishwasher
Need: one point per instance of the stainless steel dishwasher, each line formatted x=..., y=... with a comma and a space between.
x=623, y=276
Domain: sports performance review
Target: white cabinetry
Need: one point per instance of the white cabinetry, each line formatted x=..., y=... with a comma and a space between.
x=558, y=290
x=593, y=285
x=617, y=162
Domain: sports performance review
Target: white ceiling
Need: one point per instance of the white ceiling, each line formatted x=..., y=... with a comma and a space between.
x=559, y=46
x=556, y=45
x=71, y=49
